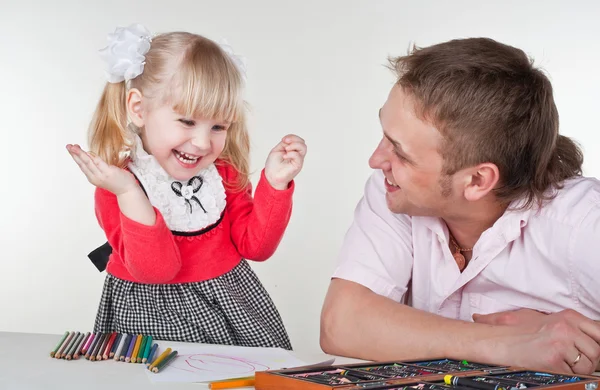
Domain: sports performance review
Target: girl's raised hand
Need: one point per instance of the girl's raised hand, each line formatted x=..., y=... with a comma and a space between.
x=99, y=173
x=285, y=161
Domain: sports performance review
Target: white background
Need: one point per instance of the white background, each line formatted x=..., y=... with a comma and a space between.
x=316, y=68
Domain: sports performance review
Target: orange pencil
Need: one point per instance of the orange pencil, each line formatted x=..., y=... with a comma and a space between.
x=136, y=348
x=232, y=384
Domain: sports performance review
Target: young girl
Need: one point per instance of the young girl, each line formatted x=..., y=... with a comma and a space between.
x=173, y=194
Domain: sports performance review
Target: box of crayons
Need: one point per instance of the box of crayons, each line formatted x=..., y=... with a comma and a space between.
x=120, y=347
x=437, y=374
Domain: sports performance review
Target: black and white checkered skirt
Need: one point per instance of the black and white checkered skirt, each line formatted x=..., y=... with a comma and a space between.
x=232, y=309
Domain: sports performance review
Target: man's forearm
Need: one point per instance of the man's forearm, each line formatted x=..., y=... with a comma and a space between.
x=359, y=323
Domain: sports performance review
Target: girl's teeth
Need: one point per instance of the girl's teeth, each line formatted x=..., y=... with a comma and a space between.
x=186, y=158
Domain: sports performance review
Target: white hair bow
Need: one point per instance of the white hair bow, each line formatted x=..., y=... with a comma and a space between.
x=125, y=53
x=127, y=47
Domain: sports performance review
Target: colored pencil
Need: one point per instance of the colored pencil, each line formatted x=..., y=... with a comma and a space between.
x=115, y=345
x=62, y=340
x=92, y=345
x=136, y=348
x=103, y=346
x=147, y=349
x=64, y=345
x=97, y=347
x=131, y=346
x=109, y=346
x=140, y=353
x=121, y=341
x=88, y=343
x=123, y=351
x=160, y=358
x=84, y=339
x=165, y=362
x=151, y=354
x=232, y=384
x=73, y=347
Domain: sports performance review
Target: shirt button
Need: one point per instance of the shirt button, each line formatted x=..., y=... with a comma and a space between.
x=441, y=239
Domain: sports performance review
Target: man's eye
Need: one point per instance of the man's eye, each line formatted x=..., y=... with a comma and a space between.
x=400, y=156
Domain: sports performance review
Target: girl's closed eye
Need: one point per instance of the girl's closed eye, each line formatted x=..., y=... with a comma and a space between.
x=187, y=122
x=219, y=128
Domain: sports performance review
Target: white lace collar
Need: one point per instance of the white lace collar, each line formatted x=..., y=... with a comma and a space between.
x=186, y=206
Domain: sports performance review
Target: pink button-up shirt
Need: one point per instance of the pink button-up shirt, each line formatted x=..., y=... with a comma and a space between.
x=547, y=260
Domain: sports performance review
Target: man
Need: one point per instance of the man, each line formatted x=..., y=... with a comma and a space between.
x=477, y=237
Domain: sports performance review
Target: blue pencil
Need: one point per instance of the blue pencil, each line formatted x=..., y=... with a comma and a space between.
x=152, y=354
x=115, y=345
x=130, y=350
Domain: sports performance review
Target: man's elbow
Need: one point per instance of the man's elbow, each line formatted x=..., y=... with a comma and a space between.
x=328, y=332
x=335, y=319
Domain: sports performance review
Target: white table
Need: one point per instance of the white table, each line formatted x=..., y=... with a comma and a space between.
x=25, y=364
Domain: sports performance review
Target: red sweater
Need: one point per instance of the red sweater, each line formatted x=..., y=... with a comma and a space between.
x=250, y=229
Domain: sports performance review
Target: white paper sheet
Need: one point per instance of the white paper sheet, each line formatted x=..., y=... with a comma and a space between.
x=204, y=363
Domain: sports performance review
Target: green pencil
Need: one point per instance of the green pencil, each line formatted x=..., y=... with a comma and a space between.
x=147, y=349
x=162, y=365
x=140, y=353
x=59, y=354
x=62, y=340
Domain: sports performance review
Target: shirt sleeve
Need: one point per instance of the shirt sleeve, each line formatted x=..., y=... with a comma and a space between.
x=377, y=249
x=585, y=258
x=258, y=224
x=149, y=253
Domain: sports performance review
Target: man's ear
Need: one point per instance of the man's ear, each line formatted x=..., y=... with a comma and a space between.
x=134, y=107
x=482, y=179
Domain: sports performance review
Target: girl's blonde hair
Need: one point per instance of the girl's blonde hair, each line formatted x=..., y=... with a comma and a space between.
x=193, y=75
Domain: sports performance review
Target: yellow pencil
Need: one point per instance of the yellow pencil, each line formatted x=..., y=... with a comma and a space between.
x=160, y=358
x=136, y=348
x=232, y=384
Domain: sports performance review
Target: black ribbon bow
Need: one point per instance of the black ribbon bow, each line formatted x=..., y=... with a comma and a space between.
x=187, y=192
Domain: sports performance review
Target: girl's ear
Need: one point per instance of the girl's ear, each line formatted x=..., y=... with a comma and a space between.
x=134, y=107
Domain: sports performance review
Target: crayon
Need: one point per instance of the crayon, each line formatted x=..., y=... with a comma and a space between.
x=60, y=343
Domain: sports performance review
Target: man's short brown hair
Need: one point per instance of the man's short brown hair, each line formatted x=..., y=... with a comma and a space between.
x=491, y=105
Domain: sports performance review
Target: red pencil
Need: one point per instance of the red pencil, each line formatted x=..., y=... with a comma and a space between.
x=109, y=346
